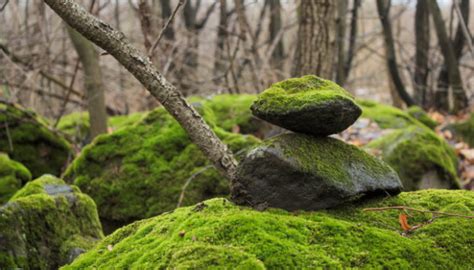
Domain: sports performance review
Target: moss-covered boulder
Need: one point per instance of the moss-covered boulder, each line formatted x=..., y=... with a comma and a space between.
x=13, y=175
x=308, y=104
x=27, y=139
x=386, y=116
x=419, y=114
x=46, y=224
x=415, y=151
x=302, y=172
x=149, y=168
x=465, y=130
x=219, y=235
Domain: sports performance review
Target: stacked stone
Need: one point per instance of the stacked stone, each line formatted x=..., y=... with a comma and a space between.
x=305, y=169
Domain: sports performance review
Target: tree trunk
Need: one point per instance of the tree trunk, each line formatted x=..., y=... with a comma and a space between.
x=278, y=53
x=93, y=85
x=315, y=40
x=441, y=94
x=137, y=63
x=352, y=41
x=219, y=55
x=422, y=42
x=383, y=8
x=340, y=40
x=165, y=14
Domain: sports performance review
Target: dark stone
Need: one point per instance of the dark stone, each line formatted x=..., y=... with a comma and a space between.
x=301, y=172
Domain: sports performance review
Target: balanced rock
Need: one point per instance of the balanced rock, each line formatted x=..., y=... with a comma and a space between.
x=46, y=224
x=301, y=172
x=13, y=175
x=309, y=104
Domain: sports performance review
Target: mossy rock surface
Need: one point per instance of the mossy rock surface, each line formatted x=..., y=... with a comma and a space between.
x=13, y=175
x=141, y=170
x=216, y=234
x=46, y=224
x=414, y=151
x=419, y=114
x=465, y=130
x=27, y=139
x=309, y=104
x=301, y=172
x=387, y=116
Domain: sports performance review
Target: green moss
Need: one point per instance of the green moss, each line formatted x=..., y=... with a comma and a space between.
x=140, y=171
x=420, y=115
x=217, y=234
x=26, y=139
x=43, y=222
x=465, y=130
x=415, y=150
x=13, y=175
x=386, y=116
x=298, y=93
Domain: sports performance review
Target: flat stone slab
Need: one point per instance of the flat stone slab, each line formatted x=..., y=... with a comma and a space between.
x=301, y=172
x=309, y=104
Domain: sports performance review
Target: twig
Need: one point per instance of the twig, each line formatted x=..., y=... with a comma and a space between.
x=181, y=196
x=415, y=210
x=10, y=143
x=4, y=5
x=157, y=40
x=68, y=94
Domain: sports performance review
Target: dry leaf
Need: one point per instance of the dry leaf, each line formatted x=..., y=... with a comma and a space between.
x=110, y=247
x=402, y=218
x=468, y=154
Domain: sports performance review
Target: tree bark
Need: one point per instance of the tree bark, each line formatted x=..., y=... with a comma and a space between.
x=315, y=40
x=341, y=40
x=139, y=65
x=383, y=8
x=352, y=41
x=219, y=55
x=278, y=53
x=93, y=85
x=441, y=94
x=422, y=44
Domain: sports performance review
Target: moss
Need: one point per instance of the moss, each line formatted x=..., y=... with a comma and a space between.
x=140, y=171
x=386, y=116
x=298, y=93
x=42, y=223
x=217, y=234
x=465, y=130
x=26, y=139
x=13, y=175
x=415, y=150
x=420, y=115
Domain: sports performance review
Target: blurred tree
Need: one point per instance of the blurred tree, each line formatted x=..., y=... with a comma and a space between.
x=340, y=40
x=274, y=28
x=422, y=44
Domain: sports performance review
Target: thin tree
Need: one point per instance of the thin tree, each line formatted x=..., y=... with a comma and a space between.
x=274, y=28
x=340, y=40
x=116, y=44
x=422, y=45
x=315, y=49
x=383, y=8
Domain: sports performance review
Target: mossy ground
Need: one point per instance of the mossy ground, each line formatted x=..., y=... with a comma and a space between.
x=13, y=175
x=27, y=139
x=413, y=151
x=298, y=93
x=219, y=235
x=38, y=230
x=141, y=170
x=386, y=116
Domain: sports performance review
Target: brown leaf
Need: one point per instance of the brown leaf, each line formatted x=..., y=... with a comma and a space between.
x=402, y=218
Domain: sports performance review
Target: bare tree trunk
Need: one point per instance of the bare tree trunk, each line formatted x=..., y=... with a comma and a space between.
x=139, y=65
x=441, y=93
x=341, y=40
x=219, y=55
x=422, y=41
x=165, y=14
x=383, y=8
x=92, y=82
x=315, y=47
x=278, y=53
x=352, y=41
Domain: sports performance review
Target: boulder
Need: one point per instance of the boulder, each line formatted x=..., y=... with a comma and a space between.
x=415, y=151
x=420, y=115
x=301, y=172
x=309, y=104
x=149, y=168
x=13, y=175
x=465, y=130
x=46, y=224
x=25, y=137
x=386, y=116
x=218, y=234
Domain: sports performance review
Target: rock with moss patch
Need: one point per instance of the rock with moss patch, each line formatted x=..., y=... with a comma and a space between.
x=13, y=175
x=301, y=172
x=218, y=234
x=44, y=225
x=465, y=130
x=309, y=104
x=386, y=116
x=27, y=139
x=149, y=168
x=415, y=152
x=420, y=115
